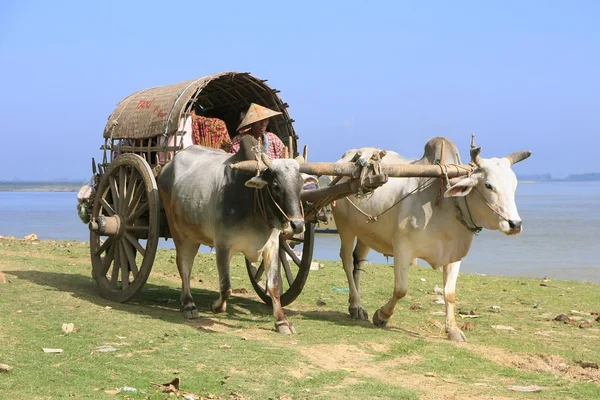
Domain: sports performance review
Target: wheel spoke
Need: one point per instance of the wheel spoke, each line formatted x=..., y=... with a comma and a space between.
x=135, y=243
x=132, y=179
x=143, y=208
x=124, y=266
x=286, y=267
x=115, y=193
x=131, y=189
x=104, y=246
x=137, y=228
x=107, y=260
x=107, y=207
x=131, y=258
x=136, y=196
x=122, y=176
x=114, y=278
x=290, y=251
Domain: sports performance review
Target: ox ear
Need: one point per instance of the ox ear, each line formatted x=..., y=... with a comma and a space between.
x=256, y=182
x=309, y=181
x=461, y=188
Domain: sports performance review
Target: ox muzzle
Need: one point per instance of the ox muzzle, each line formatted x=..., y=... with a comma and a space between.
x=294, y=225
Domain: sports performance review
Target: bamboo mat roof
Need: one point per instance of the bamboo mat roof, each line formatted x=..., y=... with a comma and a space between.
x=156, y=111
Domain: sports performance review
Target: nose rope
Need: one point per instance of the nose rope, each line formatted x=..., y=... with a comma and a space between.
x=490, y=206
x=476, y=228
x=280, y=209
x=259, y=201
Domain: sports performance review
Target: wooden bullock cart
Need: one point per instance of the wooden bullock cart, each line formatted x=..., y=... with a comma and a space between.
x=126, y=217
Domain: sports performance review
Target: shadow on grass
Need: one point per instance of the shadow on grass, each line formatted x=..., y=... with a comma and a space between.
x=161, y=302
x=343, y=319
x=336, y=317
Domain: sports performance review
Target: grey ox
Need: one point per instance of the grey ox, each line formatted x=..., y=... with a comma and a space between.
x=410, y=218
x=207, y=202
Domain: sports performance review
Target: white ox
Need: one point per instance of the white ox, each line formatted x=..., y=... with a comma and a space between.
x=411, y=225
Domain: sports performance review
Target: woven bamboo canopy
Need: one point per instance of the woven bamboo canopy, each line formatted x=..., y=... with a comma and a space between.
x=157, y=111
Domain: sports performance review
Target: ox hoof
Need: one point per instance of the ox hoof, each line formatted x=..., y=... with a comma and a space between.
x=378, y=321
x=457, y=335
x=358, y=313
x=285, y=328
x=190, y=312
x=218, y=308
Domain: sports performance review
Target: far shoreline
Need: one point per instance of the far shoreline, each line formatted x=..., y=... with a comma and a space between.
x=44, y=190
x=40, y=186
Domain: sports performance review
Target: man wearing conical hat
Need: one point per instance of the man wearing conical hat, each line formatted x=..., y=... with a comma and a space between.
x=255, y=123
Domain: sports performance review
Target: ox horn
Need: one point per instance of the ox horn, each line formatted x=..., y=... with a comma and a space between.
x=249, y=166
x=266, y=160
x=475, y=155
x=517, y=156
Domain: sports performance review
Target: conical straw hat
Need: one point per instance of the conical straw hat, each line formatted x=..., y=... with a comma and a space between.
x=256, y=113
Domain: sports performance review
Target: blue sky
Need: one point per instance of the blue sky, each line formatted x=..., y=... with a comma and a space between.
x=520, y=74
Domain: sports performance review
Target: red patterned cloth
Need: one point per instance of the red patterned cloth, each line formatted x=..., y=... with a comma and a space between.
x=210, y=132
x=274, y=149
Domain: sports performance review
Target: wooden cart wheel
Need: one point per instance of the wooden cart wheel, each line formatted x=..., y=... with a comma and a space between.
x=294, y=272
x=124, y=228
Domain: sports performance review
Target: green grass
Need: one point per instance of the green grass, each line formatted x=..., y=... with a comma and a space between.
x=238, y=355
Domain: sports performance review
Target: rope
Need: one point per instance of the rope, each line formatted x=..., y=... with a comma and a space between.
x=459, y=216
x=490, y=206
x=471, y=216
x=372, y=218
x=279, y=208
x=441, y=162
x=259, y=201
x=367, y=166
x=443, y=168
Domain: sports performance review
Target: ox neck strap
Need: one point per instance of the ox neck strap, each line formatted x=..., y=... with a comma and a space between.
x=459, y=213
x=460, y=217
x=259, y=202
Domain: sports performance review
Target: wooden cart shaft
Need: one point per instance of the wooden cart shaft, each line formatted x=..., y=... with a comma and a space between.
x=391, y=170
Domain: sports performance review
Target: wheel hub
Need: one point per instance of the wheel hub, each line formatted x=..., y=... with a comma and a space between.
x=104, y=225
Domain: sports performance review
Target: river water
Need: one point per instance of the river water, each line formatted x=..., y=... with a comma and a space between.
x=560, y=239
